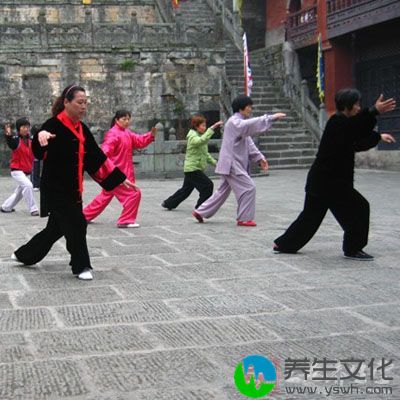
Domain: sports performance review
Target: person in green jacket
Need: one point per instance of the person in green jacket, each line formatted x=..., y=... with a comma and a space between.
x=196, y=159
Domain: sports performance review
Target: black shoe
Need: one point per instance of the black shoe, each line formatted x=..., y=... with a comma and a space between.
x=360, y=256
x=278, y=250
x=164, y=206
x=4, y=211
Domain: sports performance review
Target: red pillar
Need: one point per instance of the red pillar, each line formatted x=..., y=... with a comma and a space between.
x=338, y=59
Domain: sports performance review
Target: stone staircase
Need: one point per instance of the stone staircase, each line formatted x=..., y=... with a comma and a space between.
x=288, y=144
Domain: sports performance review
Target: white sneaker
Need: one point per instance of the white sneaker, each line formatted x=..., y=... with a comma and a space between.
x=135, y=225
x=86, y=275
x=14, y=257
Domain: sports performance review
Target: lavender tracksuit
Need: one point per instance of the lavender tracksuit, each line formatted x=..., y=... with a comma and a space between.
x=237, y=152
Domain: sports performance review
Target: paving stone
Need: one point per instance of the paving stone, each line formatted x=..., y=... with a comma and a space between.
x=312, y=323
x=119, y=313
x=139, y=249
x=234, y=255
x=41, y=380
x=55, y=297
x=163, y=326
x=388, y=339
x=165, y=290
x=90, y=341
x=388, y=314
x=125, y=261
x=208, y=332
x=193, y=393
x=159, y=369
x=266, y=284
x=207, y=270
x=131, y=240
x=215, y=306
x=5, y=301
x=26, y=319
x=150, y=274
x=67, y=280
x=331, y=297
x=184, y=258
x=13, y=348
x=8, y=283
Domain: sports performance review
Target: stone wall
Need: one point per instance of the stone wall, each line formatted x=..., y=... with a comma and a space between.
x=118, y=52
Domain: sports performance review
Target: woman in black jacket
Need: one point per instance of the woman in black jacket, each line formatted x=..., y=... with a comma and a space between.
x=330, y=180
x=67, y=148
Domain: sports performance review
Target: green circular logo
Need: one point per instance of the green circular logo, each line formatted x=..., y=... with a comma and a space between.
x=255, y=376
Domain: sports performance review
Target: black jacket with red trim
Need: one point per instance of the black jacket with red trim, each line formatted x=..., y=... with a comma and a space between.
x=60, y=178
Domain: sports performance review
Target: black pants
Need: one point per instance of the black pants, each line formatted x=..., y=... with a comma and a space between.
x=349, y=208
x=66, y=220
x=35, y=175
x=193, y=180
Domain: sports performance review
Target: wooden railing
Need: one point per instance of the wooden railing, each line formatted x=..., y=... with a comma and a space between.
x=301, y=27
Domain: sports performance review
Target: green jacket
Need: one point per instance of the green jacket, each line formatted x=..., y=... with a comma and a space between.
x=197, y=155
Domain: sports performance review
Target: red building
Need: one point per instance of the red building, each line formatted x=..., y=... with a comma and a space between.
x=360, y=41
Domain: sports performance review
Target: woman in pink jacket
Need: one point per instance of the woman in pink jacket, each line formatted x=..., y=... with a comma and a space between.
x=118, y=145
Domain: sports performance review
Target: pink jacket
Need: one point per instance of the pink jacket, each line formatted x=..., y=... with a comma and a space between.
x=119, y=144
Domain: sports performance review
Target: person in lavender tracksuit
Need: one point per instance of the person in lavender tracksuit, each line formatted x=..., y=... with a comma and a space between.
x=237, y=152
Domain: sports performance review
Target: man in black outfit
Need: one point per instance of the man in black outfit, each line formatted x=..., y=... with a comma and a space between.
x=330, y=180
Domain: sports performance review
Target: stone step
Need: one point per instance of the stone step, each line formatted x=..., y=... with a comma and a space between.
x=285, y=139
x=287, y=146
x=293, y=162
x=286, y=154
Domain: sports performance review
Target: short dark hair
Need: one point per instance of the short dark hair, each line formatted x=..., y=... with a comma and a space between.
x=346, y=98
x=240, y=103
x=196, y=121
x=22, y=122
x=120, y=114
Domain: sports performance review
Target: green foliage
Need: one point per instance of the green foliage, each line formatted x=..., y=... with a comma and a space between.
x=128, y=65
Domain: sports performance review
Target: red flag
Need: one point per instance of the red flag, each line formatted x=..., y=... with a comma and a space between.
x=248, y=77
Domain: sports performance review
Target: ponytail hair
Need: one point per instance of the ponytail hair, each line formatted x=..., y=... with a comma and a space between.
x=119, y=114
x=68, y=93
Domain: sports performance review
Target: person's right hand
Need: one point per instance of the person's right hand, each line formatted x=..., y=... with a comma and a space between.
x=278, y=116
x=384, y=106
x=129, y=184
x=388, y=138
x=217, y=125
x=7, y=129
x=44, y=137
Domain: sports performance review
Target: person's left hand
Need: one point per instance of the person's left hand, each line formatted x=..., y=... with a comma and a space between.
x=130, y=185
x=386, y=137
x=153, y=131
x=264, y=165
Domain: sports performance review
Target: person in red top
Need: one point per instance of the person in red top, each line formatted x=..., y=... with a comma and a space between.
x=21, y=167
x=67, y=148
x=118, y=145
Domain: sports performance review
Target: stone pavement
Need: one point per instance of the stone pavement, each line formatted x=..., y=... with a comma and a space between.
x=175, y=305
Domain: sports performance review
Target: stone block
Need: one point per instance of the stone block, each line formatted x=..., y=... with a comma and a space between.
x=125, y=373
x=216, y=306
x=27, y=319
x=112, y=313
x=41, y=380
x=90, y=341
x=165, y=290
x=56, y=297
x=300, y=324
x=208, y=332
